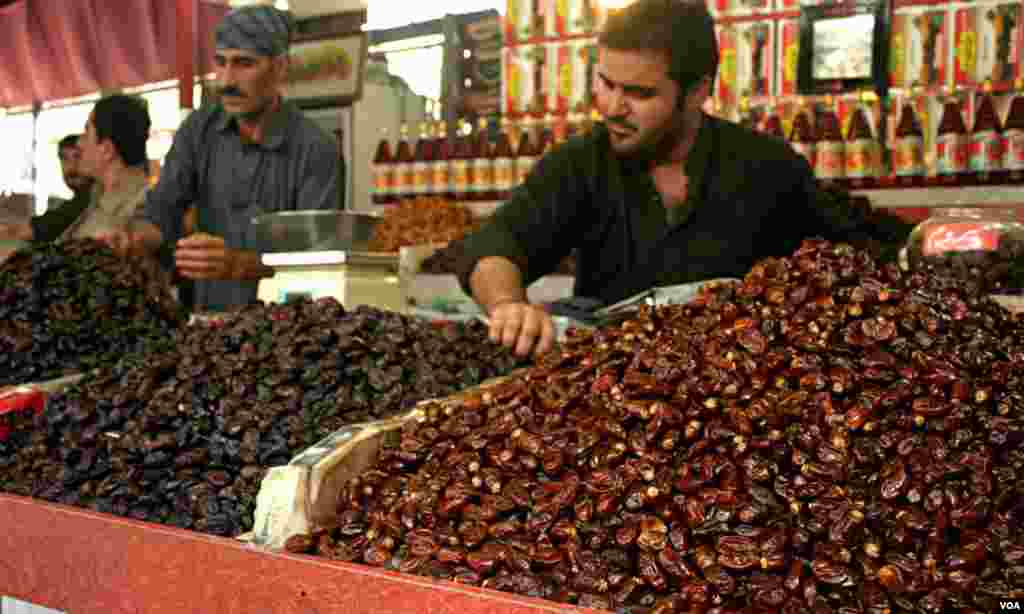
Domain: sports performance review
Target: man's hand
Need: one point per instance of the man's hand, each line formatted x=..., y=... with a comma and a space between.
x=126, y=244
x=204, y=256
x=523, y=327
x=15, y=232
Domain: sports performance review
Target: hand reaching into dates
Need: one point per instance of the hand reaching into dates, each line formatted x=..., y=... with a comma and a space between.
x=523, y=327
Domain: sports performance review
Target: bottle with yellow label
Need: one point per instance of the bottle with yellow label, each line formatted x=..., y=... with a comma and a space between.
x=462, y=182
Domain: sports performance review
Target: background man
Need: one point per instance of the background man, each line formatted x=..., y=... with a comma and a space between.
x=112, y=154
x=251, y=153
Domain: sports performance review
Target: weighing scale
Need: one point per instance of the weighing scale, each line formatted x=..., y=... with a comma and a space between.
x=316, y=254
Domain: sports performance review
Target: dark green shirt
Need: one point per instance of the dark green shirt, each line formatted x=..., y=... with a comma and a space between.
x=750, y=196
x=51, y=225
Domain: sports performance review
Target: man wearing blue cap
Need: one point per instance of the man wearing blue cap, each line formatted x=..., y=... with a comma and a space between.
x=251, y=153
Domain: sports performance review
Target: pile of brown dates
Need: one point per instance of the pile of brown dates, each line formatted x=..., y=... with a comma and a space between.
x=183, y=437
x=828, y=435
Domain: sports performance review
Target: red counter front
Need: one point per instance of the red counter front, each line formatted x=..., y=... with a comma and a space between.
x=85, y=563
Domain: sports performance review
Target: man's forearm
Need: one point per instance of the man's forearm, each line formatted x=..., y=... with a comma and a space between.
x=247, y=265
x=496, y=280
x=16, y=232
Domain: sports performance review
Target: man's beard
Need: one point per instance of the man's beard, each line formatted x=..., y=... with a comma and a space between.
x=78, y=183
x=661, y=143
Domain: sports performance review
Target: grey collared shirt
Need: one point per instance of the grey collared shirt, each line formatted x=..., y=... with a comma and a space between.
x=296, y=167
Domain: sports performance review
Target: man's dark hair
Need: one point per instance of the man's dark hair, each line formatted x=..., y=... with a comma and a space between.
x=70, y=140
x=680, y=29
x=125, y=121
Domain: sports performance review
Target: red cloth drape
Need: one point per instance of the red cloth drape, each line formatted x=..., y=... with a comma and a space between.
x=56, y=49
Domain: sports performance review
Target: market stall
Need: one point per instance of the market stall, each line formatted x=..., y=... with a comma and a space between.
x=830, y=433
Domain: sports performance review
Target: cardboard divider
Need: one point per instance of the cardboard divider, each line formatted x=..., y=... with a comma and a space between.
x=302, y=496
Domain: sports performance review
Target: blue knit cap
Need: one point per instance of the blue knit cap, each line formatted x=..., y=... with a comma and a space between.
x=261, y=29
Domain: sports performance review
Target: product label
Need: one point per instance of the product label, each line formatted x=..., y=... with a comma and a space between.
x=959, y=237
x=830, y=160
x=575, y=17
x=574, y=63
x=860, y=158
x=383, y=179
x=908, y=156
x=1013, y=155
x=534, y=98
x=460, y=176
x=789, y=49
x=966, y=50
x=504, y=174
x=986, y=151
x=898, y=50
x=808, y=151
x=951, y=153
x=926, y=54
x=754, y=68
x=727, y=66
x=442, y=177
x=524, y=78
x=423, y=178
x=524, y=164
x=483, y=175
x=998, y=42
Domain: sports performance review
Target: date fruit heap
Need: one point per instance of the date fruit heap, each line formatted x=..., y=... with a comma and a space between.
x=184, y=437
x=420, y=221
x=73, y=306
x=826, y=436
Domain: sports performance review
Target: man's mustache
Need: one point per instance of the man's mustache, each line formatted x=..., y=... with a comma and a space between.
x=231, y=90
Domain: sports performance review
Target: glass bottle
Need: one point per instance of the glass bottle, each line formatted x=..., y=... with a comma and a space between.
x=830, y=147
x=405, y=180
x=462, y=178
x=526, y=155
x=951, y=145
x=383, y=169
x=504, y=162
x=986, y=155
x=423, y=163
x=483, y=164
x=441, y=176
x=908, y=150
x=1013, y=141
x=862, y=158
x=803, y=139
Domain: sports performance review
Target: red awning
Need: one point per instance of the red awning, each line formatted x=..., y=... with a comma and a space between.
x=56, y=49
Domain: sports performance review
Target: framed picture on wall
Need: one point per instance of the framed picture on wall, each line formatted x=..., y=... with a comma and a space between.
x=327, y=72
x=844, y=47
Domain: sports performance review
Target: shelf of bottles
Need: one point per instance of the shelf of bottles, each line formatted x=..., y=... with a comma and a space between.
x=953, y=116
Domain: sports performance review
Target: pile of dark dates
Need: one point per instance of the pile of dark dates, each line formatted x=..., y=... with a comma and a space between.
x=829, y=435
x=184, y=437
x=993, y=271
x=73, y=306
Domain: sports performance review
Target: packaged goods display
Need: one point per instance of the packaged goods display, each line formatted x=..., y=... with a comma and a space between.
x=73, y=306
x=421, y=220
x=829, y=435
x=982, y=247
x=183, y=436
